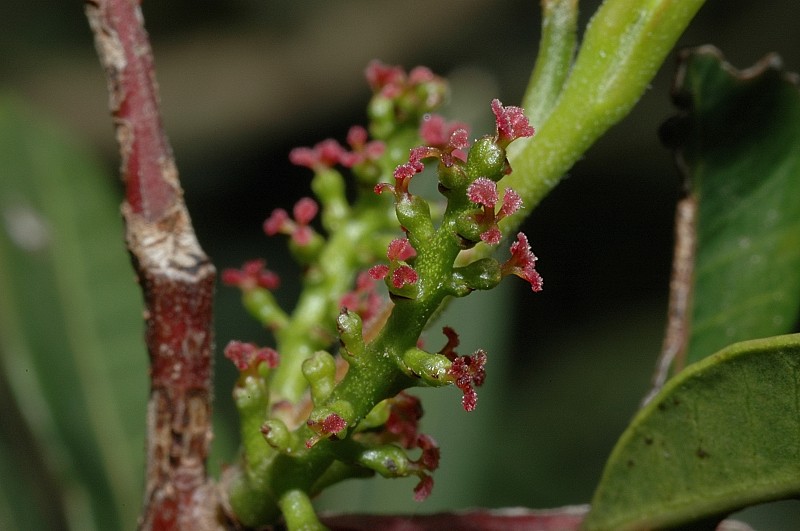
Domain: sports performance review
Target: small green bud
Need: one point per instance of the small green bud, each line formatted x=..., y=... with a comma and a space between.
x=482, y=274
x=431, y=368
x=350, y=334
x=329, y=187
x=250, y=396
x=277, y=435
x=467, y=227
x=261, y=304
x=388, y=460
x=309, y=252
x=452, y=178
x=382, y=117
x=377, y=416
x=320, y=371
x=414, y=214
x=487, y=159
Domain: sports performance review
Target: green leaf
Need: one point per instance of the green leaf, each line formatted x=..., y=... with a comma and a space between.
x=71, y=347
x=722, y=434
x=740, y=136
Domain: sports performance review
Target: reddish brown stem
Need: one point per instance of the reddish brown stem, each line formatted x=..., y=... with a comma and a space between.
x=176, y=277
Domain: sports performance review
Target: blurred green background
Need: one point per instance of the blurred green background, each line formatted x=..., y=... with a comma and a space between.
x=242, y=82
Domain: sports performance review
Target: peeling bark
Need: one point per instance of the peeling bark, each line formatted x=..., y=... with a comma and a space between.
x=176, y=277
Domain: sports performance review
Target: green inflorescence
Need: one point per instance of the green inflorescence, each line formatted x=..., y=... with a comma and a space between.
x=312, y=419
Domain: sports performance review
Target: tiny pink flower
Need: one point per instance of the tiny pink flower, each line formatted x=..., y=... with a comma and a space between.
x=404, y=172
x=404, y=275
x=362, y=150
x=511, y=123
x=400, y=249
x=511, y=203
x=325, y=154
x=405, y=411
x=430, y=452
x=423, y=488
x=449, y=349
x=331, y=425
x=253, y=274
x=247, y=356
x=466, y=371
x=384, y=78
x=469, y=371
x=523, y=263
x=357, y=136
x=492, y=235
x=421, y=74
x=438, y=133
x=379, y=271
x=459, y=139
x=277, y=222
x=483, y=192
x=364, y=299
x=304, y=211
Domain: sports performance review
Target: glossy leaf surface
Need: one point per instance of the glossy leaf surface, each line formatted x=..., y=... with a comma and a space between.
x=742, y=134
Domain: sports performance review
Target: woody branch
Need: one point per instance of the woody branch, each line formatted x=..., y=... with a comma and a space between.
x=175, y=275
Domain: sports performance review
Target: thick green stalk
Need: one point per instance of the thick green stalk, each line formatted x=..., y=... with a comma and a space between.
x=623, y=47
x=309, y=328
x=298, y=512
x=553, y=62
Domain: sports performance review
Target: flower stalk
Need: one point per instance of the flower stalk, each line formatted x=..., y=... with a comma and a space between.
x=315, y=418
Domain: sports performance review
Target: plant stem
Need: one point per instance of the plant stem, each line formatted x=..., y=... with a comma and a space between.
x=623, y=47
x=554, y=60
x=176, y=277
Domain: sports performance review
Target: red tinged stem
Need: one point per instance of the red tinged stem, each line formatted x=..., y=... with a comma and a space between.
x=176, y=278
x=148, y=167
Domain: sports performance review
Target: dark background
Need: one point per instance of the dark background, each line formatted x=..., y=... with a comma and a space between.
x=244, y=81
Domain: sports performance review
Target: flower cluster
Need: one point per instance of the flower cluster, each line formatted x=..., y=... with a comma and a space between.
x=523, y=263
x=466, y=371
x=329, y=152
x=398, y=271
x=401, y=99
x=483, y=192
x=304, y=211
x=436, y=132
x=392, y=82
x=364, y=299
x=401, y=427
x=247, y=357
x=333, y=410
x=511, y=123
x=253, y=274
x=329, y=426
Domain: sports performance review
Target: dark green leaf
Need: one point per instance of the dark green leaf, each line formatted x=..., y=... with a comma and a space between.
x=70, y=335
x=722, y=434
x=740, y=147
